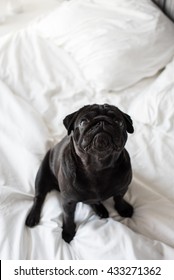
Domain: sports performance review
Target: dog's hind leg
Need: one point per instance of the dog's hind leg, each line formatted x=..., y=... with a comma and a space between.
x=123, y=207
x=100, y=210
x=33, y=217
x=44, y=183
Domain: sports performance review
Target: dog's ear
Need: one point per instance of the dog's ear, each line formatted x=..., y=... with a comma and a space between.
x=128, y=120
x=129, y=123
x=69, y=121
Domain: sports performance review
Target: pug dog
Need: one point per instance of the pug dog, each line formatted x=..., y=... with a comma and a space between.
x=89, y=165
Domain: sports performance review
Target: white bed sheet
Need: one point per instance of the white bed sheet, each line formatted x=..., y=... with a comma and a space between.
x=39, y=85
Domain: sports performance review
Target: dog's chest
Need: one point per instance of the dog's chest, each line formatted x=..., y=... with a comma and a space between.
x=101, y=185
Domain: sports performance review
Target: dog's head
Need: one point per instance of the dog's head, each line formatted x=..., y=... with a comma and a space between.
x=99, y=129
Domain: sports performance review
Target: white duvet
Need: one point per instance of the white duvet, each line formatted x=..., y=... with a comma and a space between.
x=43, y=77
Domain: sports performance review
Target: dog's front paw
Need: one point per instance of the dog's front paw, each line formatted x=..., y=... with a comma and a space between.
x=67, y=236
x=68, y=233
x=100, y=210
x=32, y=219
x=124, y=208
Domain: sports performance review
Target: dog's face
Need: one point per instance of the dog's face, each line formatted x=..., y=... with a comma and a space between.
x=99, y=129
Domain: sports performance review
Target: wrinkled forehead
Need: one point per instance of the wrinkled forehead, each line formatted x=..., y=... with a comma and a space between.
x=94, y=110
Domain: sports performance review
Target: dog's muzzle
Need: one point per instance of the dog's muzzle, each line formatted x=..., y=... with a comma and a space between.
x=102, y=135
x=102, y=141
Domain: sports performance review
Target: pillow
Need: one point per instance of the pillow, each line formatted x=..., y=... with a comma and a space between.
x=116, y=43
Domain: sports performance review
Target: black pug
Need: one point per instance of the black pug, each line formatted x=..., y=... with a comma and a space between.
x=89, y=165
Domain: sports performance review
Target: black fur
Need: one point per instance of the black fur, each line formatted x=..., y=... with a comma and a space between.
x=89, y=165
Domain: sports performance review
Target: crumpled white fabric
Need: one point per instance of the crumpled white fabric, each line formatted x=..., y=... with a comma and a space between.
x=40, y=83
x=112, y=41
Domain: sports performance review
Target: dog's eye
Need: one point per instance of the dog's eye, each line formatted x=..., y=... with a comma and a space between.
x=83, y=122
x=120, y=123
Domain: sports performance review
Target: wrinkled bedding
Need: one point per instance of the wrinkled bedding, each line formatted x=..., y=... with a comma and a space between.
x=42, y=79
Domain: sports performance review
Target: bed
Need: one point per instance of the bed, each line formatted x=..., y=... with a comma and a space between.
x=83, y=52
